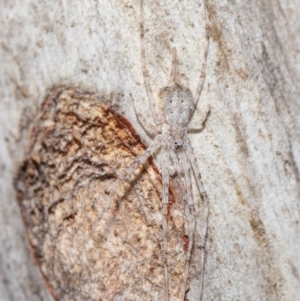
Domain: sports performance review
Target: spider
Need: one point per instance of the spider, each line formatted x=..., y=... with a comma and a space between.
x=171, y=137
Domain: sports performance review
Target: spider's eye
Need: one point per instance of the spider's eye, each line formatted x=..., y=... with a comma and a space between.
x=176, y=142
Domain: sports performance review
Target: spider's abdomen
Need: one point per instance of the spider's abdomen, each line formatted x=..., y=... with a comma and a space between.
x=177, y=104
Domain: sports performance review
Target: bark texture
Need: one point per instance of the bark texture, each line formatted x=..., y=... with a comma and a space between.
x=248, y=150
x=78, y=151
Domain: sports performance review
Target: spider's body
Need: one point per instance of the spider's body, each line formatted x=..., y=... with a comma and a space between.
x=171, y=129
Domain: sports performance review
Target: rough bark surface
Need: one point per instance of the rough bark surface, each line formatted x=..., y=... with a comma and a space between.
x=79, y=148
x=248, y=150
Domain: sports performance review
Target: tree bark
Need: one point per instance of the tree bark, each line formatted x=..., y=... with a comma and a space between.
x=248, y=150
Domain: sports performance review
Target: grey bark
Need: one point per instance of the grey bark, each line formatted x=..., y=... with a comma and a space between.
x=248, y=151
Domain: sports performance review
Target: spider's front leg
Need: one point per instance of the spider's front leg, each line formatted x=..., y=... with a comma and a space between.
x=203, y=67
x=165, y=202
x=153, y=106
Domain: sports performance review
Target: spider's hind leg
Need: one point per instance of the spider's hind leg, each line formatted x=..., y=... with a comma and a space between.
x=191, y=216
x=192, y=163
x=129, y=174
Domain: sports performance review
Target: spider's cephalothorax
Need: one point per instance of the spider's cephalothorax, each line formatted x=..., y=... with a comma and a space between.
x=177, y=103
x=178, y=107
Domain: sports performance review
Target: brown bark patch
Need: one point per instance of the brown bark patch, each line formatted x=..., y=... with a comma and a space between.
x=78, y=148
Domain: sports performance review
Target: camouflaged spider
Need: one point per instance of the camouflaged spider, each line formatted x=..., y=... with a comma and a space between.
x=171, y=136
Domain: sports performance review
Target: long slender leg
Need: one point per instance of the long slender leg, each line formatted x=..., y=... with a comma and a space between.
x=203, y=234
x=195, y=125
x=191, y=215
x=141, y=201
x=127, y=221
x=147, y=125
x=203, y=67
x=174, y=166
x=174, y=76
x=128, y=173
x=147, y=83
x=165, y=202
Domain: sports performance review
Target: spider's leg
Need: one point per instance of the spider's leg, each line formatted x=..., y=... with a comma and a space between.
x=147, y=125
x=129, y=173
x=174, y=165
x=191, y=216
x=195, y=125
x=174, y=76
x=141, y=202
x=153, y=106
x=203, y=67
x=205, y=206
x=127, y=221
x=165, y=202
